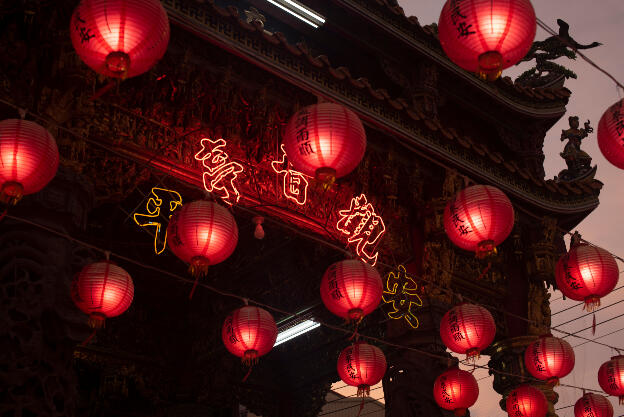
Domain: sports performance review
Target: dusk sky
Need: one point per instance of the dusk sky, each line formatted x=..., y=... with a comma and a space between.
x=593, y=92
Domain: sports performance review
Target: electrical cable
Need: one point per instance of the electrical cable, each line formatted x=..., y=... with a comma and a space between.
x=349, y=407
x=589, y=313
x=582, y=302
x=602, y=322
x=270, y=307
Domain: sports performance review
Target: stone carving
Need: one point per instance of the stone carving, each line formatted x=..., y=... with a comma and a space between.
x=577, y=160
x=548, y=50
x=539, y=309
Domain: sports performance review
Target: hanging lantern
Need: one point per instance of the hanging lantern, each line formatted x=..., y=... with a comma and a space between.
x=478, y=219
x=202, y=233
x=487, y=36
x=611, y=377
x=526, y=401
x=456, y=390
x=611, y=134
x=120, y=38
x=28, y=159
x=102, y=290
x=361, y=365
x=593, y=405
x=325, y=140
x=351, y=289
x=467, y=328
x=549, y=359
x=249, y=333
x=586, y=273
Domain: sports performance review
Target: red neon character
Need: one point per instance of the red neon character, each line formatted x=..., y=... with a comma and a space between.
x=362, y=225
x=295, y=186
x=220, y=171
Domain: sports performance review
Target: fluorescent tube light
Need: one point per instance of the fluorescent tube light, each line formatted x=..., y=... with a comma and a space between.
x=300, y=12
x=297, y=330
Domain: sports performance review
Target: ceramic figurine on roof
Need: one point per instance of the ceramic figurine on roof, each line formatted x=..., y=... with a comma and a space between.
x=577, y=160
x=554, y=47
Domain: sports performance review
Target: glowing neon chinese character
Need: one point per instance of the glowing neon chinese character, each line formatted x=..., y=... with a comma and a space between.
x=362, y=225
x=401, y=291
x=220, y=172
x=295, y=184
x=153, y=218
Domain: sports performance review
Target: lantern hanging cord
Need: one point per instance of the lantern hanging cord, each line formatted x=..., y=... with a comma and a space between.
x=551, y=31
x=272, y=308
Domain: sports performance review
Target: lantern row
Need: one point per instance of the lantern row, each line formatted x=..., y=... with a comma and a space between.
x=477, y=218
x=611, y=373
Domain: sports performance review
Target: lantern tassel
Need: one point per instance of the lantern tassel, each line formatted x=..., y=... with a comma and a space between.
x=472, y=355
x=250, y=357
x=88, y=339
x=247, y=374
x=361, y=406
x=594, y=325
x=621, y=399
x=485, y=271
x=193, y=289
x=591, y=303
x=100, y=92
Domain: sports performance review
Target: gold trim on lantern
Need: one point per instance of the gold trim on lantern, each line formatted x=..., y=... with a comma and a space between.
x=490, y=65
x=486, y=249
x=11, y=193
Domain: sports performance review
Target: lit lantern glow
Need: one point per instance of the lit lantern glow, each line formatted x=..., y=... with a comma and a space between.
x=325, y=141
x=611, y=134
x=102, y=290
x=202, y=233
x=28, y=159
x=467, y=329
x=351, y=289
x=456, y=390
x=249, y=333
x=586, y=273
x=549, y=359
x=120, y=38
x=593, y=405
x=611, y=377
x=526, y=401
x=478, y=219
x=487, y=36
x=361, y=365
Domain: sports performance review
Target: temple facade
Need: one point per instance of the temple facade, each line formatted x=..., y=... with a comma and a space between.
x=234, y=72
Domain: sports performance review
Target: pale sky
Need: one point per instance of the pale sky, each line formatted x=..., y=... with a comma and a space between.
x=598, y=20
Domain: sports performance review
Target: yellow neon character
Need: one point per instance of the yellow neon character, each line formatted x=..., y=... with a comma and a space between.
x=401, y=291
x=153, y=216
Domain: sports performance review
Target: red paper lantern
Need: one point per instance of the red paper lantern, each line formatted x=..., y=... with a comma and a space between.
x=549, y=359
x=456, y=390
x=526, y=401
x=593, y=405
x=325, y=140
x=351, y=289
x=487, y=36
x=28, y=159
x=202, y=233
x=249, y=333
x=102, y=290
x=361, y=365
x=586, y=273
x=611, y=134
x=611, y=377
x=478, y=219
x=467, y=328
x=120, y=38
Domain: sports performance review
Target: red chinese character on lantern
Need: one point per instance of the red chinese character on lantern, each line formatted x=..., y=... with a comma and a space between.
x=401, y=292
x=220, y=172
x=295, y=184
x=362, y=226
